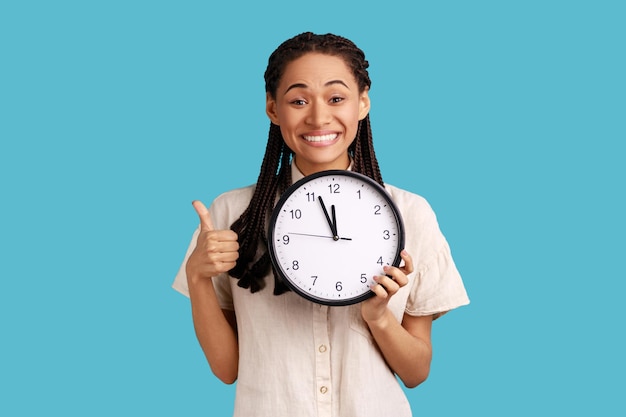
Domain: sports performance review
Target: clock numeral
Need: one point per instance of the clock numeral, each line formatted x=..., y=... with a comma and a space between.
x=286, y=239
x=386, y=235
x=296, y=214
x=380, y=261
x=334, y=188
x=310, y=197
x=363, y=278
x=314, y=278
x=339, y=286
x=359, y=193
x=295, y=265
x=377, y=210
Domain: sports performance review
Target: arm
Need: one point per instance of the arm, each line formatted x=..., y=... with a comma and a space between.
x=216, y=252
x=405, y=346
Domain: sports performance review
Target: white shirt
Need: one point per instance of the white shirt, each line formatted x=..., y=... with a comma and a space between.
x=301, y=359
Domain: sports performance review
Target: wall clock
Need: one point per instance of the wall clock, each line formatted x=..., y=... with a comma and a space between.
x=331, y=232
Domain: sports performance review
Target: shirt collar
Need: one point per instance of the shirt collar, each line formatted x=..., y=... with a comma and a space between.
x=296, y=175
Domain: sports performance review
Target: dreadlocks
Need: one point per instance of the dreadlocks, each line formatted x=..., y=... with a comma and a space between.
x=275, y=174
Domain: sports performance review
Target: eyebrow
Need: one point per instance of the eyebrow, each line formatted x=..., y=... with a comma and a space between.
x=329, y=83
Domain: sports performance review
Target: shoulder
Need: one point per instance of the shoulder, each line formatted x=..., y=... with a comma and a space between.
x=422, y=233
x=410, y=204
x=236, y=195
x=228, y=206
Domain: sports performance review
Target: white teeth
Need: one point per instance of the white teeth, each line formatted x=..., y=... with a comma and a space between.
x=322, y=138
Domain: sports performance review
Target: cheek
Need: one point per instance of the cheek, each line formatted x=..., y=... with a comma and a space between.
x=289, y=132
x=286, y=132
x=350, y=117
x=287, y=118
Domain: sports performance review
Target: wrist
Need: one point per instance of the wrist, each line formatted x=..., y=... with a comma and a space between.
x=195, y=279
x=381, y=322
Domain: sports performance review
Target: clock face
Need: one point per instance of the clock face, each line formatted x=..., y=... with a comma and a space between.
x=331, y=233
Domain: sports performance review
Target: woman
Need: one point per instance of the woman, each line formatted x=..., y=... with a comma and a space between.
x=292, y=357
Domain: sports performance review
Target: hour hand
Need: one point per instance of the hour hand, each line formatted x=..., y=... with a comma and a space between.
x=331, y=222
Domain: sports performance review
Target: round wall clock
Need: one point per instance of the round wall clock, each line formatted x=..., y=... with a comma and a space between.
x=331, y=233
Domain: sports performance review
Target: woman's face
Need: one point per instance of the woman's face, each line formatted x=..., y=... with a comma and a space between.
x=318, y=107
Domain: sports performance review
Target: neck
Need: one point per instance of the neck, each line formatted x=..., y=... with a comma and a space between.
x=308, y=169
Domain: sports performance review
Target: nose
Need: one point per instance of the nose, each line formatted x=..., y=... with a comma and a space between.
x=318, y=115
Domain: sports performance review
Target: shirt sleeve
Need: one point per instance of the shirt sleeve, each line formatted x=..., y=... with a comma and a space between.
x=180, y=281
x=437, y=286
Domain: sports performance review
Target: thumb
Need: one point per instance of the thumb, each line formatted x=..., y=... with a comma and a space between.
x=206, y=224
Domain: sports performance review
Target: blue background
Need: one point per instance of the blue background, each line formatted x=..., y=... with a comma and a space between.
x=508, y=116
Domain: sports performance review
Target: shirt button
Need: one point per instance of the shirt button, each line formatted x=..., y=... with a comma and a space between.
x=323, y=390
x=322, y=348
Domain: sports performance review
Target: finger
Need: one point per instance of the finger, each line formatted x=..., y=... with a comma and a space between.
x=206, y=224
x=223, y=257
x=379, y=290
x=408, y=262
x=221, y=241
x=390, y=284
x=396, y=275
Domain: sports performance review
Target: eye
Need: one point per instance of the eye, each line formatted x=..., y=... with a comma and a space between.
x=298, y=102
x=336, y=100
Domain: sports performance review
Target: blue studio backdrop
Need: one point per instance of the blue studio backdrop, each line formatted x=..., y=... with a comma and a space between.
x=508, y=116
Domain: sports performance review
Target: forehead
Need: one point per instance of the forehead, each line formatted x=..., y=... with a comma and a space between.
x=313, y=68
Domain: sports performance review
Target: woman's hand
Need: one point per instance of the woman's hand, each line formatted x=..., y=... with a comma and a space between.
x=405, y=345
x=375, y=308
x=216, y=251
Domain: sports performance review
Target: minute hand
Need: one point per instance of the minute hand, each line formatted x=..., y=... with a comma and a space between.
x=331, y=223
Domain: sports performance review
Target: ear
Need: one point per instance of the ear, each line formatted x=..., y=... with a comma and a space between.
x=270, y=109
x=364, y=104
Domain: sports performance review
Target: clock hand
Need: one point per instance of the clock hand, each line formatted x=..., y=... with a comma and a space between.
x=331, y=223
x=326, y=237
x=332, y=210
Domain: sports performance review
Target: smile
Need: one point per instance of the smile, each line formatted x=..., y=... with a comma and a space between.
x=322, y=138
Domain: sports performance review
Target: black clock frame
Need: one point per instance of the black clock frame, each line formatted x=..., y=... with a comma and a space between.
x=276, y=211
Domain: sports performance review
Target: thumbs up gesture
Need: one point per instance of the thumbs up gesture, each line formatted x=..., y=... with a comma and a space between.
x=216, y=250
